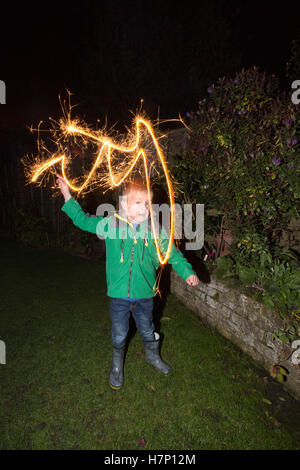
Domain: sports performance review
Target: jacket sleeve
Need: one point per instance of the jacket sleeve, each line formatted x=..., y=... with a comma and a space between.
x=86, y=222
x=176, y=258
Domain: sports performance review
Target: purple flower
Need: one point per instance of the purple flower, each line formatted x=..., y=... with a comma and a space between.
x=202, y=147
x=188, y=114
x=242, y=111
x=288, y=120
x=236, y=80
x=290, y=165
x=294, y=141
x=276, y=161
x=209, y=90
x=288, y=141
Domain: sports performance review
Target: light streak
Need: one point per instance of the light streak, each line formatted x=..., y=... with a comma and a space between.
x=107, y=146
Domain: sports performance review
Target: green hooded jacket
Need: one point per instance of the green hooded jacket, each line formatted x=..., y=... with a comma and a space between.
x=131, y=256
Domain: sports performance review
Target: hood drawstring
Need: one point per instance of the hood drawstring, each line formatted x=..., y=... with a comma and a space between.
x=134, y=241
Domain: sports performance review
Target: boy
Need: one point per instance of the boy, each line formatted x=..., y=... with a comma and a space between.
x=131, y=261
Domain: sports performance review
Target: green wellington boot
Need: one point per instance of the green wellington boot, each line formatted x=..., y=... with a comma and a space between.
x=152, y=355
x=116, y=375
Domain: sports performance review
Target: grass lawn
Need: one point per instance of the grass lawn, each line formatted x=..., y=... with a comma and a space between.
x=54, y=320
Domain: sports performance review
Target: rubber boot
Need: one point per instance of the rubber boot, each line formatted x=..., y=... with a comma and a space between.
x=151, y=349
x=116, y=375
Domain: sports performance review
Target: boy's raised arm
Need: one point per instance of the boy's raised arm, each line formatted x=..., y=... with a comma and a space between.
x=73, y=209
x=82, y=220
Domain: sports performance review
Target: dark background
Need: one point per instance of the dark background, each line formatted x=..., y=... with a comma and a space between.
x=111, y=54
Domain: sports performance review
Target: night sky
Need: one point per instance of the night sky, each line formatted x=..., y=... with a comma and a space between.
x=111, y=54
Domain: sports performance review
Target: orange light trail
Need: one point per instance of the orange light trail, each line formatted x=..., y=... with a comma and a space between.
x=108, y=146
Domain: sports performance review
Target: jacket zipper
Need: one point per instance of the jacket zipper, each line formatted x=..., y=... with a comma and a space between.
x=132, y=250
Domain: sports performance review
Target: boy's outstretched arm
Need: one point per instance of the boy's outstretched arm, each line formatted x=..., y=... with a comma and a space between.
x=178, y=261
x=73, y=209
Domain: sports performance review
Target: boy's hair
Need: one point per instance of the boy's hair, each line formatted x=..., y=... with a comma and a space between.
x=136, y=183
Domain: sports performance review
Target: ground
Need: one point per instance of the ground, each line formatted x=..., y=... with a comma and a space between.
x=54, y=320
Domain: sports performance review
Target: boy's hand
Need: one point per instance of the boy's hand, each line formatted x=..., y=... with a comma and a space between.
x=192, y=280
x=63, y=187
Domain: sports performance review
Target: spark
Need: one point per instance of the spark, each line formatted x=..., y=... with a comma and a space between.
x=107, y=147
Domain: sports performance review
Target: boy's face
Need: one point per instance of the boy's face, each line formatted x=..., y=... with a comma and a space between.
x=136, y=206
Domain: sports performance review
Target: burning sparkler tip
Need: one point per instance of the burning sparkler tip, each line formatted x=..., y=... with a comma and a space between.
x=66, y=130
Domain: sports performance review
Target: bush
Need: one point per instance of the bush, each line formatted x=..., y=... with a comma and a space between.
x=75, y=241
x=243, y=153
x=33, y=230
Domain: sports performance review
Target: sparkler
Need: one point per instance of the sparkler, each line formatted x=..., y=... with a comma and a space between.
x=136, y=152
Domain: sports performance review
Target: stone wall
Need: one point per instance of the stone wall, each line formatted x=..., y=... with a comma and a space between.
x=241, y=319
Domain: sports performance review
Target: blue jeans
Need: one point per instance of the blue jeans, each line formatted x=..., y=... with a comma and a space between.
x=120, y=312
